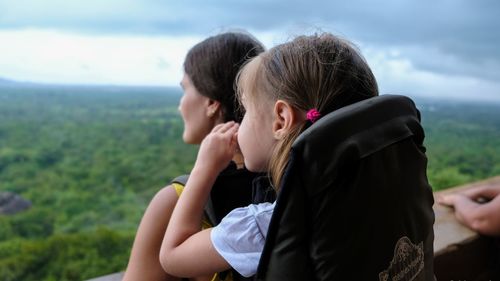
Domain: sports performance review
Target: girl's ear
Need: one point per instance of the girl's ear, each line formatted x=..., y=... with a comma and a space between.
x=285, y=118
x=213, y=108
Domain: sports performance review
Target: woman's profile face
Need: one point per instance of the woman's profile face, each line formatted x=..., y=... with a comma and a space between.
x=194, y=111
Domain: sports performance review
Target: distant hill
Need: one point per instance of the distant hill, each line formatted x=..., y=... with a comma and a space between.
x=4, y=81
x=41, y=86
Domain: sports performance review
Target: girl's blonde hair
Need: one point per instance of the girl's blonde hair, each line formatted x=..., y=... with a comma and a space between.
x=321, y=72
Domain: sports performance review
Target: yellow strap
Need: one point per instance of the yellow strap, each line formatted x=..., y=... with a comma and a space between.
x=204, y=225
x=178, y=188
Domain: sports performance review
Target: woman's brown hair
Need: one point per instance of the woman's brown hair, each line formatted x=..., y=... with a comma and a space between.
x=212, y=66
x=321, y=72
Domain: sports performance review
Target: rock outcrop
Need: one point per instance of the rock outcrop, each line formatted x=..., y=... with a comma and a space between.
x=11, y=203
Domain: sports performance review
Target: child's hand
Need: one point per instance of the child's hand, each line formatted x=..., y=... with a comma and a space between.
x=218, y=148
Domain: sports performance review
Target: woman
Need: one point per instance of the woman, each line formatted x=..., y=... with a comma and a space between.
x=210, y=69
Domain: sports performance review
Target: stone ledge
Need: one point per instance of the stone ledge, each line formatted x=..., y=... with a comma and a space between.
x=460, y=253
x=447, y=230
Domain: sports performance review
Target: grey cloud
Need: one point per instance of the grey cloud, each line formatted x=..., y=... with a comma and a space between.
x=434, y=60
x=463, y=29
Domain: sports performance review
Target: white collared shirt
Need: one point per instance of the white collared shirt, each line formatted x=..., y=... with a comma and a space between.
x=240, y=236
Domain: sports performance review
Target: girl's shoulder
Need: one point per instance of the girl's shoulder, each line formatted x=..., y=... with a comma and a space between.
x=253, y=210
x=241, y=235
x=253, y=219
x=261, y=208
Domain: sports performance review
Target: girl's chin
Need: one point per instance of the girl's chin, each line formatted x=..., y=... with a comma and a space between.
x=254, y=169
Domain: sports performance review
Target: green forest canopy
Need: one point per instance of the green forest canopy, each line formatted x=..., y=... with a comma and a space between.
x=90, y=159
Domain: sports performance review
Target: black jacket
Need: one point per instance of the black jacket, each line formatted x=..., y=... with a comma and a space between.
x=355, y=203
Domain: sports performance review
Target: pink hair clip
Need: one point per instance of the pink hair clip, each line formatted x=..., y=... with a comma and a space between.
x=313, y=115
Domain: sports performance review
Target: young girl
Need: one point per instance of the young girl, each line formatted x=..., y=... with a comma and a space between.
x=209, y=98
x=283, y=91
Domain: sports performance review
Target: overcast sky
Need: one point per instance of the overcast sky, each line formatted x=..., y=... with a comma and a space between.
x=440, y=48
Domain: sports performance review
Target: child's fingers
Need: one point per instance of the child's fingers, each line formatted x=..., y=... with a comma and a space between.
x=221, y=128
x=229, y=127
x=234, y=141
x=217, y=127
x=230, y=130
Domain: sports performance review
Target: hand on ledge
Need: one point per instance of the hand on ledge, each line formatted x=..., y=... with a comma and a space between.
x=477, y=208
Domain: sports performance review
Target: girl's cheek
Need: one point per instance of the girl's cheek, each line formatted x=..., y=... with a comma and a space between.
x=239, y=140
x=241, y=131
